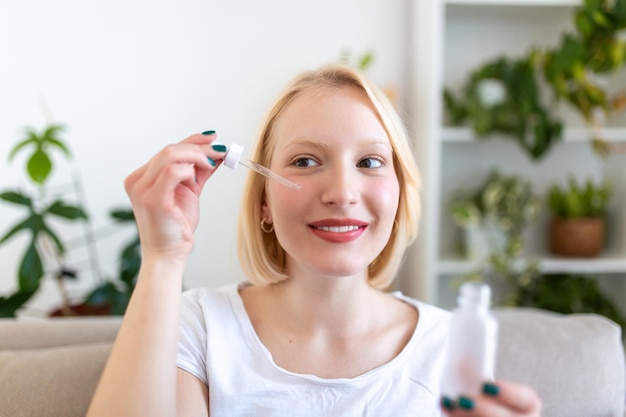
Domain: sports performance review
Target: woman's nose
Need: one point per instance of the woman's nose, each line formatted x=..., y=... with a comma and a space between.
x=341, y=187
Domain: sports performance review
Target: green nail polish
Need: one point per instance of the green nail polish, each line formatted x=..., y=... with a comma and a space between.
x=466, y=403
x=208, y=132
x=219, y=148
x=491, y=389
x=212, y=162
x=447, y=403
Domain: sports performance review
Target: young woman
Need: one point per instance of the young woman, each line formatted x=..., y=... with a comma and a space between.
x=310, y=333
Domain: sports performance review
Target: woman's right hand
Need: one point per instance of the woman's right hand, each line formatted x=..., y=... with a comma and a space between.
x=165, y=192
x=499, y=399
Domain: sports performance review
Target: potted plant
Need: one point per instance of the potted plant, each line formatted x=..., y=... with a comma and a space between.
x=45, y=254
x=45, y=251
x=577, y=226
x=493, y=218
x=495, y=215
x=508, y=94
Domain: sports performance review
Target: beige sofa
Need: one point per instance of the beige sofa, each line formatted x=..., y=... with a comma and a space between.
x=51, y=368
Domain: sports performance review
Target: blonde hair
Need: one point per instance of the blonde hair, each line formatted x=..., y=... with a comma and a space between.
x=262, y=258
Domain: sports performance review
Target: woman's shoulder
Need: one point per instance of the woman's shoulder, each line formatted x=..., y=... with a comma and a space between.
x=223, y=292
x=431, y=318
x=421, y=306
x=202, y=300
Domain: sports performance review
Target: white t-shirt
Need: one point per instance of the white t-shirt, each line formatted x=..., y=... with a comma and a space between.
x=218, y=345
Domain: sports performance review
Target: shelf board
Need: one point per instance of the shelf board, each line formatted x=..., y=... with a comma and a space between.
x=608, y=264
x=548, y=3
x=570, y=135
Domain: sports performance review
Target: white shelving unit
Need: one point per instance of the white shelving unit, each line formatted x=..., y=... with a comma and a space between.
x=449, y=39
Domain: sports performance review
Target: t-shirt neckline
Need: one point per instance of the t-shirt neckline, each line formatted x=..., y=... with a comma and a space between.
x=242, y=316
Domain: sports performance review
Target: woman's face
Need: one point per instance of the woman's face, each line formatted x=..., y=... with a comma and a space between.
x=333, y=144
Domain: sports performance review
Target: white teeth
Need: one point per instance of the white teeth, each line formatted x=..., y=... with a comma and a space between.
x=338, y=229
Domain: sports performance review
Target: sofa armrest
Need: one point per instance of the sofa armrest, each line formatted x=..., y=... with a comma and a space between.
x=35, y=334
x=575, y=362
x=52, y=367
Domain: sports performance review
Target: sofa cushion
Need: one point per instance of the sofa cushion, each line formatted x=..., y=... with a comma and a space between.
x=50, y=382
x=575, y=362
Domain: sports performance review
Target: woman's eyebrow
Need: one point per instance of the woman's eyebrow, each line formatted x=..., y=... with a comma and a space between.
x=325, y=146
x=308, y=142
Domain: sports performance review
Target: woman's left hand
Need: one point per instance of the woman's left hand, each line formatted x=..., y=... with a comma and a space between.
x=499, y=399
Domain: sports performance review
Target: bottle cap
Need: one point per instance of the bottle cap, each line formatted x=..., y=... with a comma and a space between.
x=233, y=156
x=475, y=293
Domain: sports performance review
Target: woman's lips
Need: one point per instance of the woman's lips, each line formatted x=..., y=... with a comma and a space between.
x=338, y=230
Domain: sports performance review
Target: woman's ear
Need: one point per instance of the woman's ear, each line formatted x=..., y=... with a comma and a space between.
x=266, y=214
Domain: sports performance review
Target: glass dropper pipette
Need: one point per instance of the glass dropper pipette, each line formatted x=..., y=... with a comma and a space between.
x=233, y=158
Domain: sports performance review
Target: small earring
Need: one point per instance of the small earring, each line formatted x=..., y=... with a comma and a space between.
x=265, y=228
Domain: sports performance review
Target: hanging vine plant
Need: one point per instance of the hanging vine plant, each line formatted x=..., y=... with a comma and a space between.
x=505, y=94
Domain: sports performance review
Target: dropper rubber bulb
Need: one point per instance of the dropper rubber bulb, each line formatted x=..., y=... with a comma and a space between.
x=233, y=158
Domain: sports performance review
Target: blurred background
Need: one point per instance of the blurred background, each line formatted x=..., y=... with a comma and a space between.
x=126, y=78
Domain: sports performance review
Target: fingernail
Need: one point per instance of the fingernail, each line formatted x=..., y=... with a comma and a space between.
x=208, y=132
x=219, y=148
x=466, y=403
x=447, y=403
x=212, y=162
x=491, y=389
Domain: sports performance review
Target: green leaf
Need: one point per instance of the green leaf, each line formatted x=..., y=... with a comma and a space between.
x=20, y=145
x=61, y=209
x=568, y=55
x=39, y=166
x=120, y=303
x=366, y=61
x=102, y=294
x=584, y=24
x=123, y=215
x=600, y=19
x=45, y=229
x=620, y=13
x=130, y=262
x=109, y=294
x=32, y=223
x=9, y=305
x=57, y=143
x=31, y=269
x=465, y=214
x=17, y=198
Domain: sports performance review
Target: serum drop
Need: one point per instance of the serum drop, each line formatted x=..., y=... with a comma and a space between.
x=471, y=351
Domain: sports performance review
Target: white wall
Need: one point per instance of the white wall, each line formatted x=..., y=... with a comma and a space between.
x=127, y=77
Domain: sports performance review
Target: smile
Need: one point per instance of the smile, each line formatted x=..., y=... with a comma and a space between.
x=338, y=229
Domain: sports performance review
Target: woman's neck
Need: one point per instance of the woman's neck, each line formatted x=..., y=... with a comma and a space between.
x=336, y=304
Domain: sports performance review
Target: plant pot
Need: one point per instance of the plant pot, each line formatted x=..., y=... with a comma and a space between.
x=579, y=237
x=481, y=240
x=81, y=309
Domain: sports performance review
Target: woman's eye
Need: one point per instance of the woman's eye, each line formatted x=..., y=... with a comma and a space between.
x=304, y=162
x=370, y=163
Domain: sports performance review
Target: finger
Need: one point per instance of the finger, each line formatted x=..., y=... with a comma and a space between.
x=181, y=153
x=517, y=397
x=212, y=149
x=504, y=399
x=203, y=138
x=133, y=178
x=165, y=184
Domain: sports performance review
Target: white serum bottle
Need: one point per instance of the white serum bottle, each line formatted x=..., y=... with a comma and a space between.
x=472, y=343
